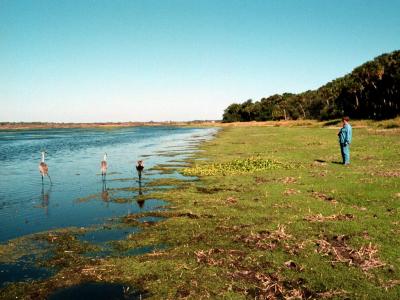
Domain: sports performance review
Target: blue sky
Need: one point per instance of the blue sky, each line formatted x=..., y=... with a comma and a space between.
x=86, y=61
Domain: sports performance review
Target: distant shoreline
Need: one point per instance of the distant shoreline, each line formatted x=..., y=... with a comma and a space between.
x=393, y=124
x=51, y=125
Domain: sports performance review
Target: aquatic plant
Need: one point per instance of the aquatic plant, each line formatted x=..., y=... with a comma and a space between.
x=236, y=166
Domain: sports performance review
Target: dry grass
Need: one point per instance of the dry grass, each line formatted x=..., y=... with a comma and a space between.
x=322, y=196
x=366, y=257
x=321, y=218
x=265, y=240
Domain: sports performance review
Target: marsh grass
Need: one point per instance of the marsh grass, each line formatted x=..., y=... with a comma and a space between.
x=319, y=231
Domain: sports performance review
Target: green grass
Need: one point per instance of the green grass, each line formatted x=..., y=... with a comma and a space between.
x=247, y=234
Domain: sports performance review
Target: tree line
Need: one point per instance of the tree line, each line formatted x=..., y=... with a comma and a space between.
x=370, y=91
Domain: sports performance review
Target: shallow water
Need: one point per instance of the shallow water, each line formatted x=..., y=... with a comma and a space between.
x=99, y=291
x=78, y=196
x=25, y=268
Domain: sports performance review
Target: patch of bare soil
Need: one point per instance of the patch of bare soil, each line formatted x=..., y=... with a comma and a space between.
x=266, y=240
x=259, y=285
x=231, y=229
x=288, y=180
x=270, y=286
x=368, y=157
x=284, y=180
x=319, y=163
x=261, y=180
x=273, y=286
x=366, y=257
x=231, y=200
x=290, y=264
x=209, y=190
x=360, y=208
x=322, y=196
x=219, y=257
x=391, y=284
x=289, y=192
x=393, y=173
x=282, y=206
x=321, y=218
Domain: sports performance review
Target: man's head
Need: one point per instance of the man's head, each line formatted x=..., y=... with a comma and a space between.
x=345, y=119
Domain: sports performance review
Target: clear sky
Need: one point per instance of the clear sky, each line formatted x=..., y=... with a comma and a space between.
x=85, y=61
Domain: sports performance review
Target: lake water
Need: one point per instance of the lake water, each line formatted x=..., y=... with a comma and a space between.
x=77, y=196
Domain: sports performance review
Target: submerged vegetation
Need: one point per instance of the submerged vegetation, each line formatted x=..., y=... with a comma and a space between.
x=370, y=91
x=277, y=231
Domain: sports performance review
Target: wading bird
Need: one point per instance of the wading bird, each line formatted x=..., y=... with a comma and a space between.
x=140, y=168
x=104, y=167
x=44, y=169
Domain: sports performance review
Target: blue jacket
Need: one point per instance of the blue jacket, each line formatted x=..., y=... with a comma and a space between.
x=345, y=134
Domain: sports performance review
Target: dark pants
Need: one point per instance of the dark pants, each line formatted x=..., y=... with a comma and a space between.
x=345, y=150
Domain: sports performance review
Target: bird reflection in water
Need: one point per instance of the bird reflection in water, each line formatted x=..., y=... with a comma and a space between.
x=45, y=198
x=104, y=192
x=140, y=200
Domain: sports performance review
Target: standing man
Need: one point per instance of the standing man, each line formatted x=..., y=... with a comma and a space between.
x=345, y=135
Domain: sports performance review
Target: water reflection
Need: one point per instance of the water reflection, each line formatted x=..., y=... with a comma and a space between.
x=140, y=188
x=45, y=199
x=140, y=201
x=98, y=290
x=105, y=196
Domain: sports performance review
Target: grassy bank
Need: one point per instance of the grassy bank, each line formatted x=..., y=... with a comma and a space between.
x=273, y=215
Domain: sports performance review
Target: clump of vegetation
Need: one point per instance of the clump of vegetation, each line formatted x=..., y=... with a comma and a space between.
x=234, y=167
x=370, y=91
x=389, y=124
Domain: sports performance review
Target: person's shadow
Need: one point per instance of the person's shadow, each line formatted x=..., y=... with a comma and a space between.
x=320, y=160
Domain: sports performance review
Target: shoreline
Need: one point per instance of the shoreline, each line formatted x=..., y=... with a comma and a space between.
x=393, y=124
x=50, y=125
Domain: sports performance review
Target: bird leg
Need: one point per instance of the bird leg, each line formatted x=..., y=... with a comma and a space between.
x=49, y=178
x=104, y=188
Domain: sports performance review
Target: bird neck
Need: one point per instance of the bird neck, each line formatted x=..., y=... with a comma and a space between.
x=105, y=157
x=42, y=157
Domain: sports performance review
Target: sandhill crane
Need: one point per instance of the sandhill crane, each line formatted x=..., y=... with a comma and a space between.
x=44, y=169
x=140, y=168
x=104, y=167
